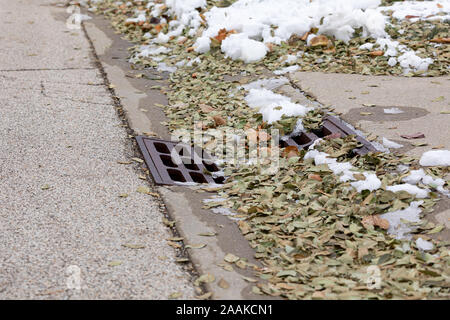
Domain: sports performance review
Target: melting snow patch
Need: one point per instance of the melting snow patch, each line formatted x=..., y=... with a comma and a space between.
x=398, y=228
x=286, y=70
x=426, y=10
x=411, y=189
x=410, y=61
x=269, y=84
x=439, y=158
x=417, y=176
x=164, y=67
x=424, y=244
x=391, y=144
x=392, y=111
x=371, y=183
x=274, y=21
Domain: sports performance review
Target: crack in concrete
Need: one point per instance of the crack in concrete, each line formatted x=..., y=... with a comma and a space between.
x=44, y=69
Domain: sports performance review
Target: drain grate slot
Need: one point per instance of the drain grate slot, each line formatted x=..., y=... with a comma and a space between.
x=330, y=126
x=195, y=166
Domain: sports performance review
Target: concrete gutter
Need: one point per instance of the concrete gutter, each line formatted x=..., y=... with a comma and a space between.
x=184, y=204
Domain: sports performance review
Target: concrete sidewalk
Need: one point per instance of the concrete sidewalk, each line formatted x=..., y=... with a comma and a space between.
x=61, y=217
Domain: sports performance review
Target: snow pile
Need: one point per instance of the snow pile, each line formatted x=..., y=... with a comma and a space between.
x=274, y=21
x=426, y=10
x=239, y=46
x=273, y=106
x=410, y=61
x=419, y=176
x=398, y=228
x=435, y=158
x=186, y=13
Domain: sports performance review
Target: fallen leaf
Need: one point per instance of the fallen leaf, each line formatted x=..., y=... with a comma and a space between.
x=207, y=234
x=417, y=135
x=290, y=151
x=196, y=246
x=114, y=263
x=124, y=162
x=174, y=244
x=440, y=40
x=143, y=189
x=320, y=40
x=175, y=295
x=305, y=36
x=375, y=220
x=204, y=296
x=248, y=279
x=133, y=246
x=222, y=34
x=223, y=284
x=219, y=121
x=206, y=278
x=231, y=258
x=314, y=177
x=376, y=53
x=438, y=99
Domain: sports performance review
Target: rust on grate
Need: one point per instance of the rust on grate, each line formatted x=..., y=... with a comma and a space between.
x=330, y=126
x=191, y=164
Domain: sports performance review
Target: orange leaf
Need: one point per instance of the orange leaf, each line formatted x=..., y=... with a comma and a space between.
x=376, y=53
x=290, y=151
x=223, y=33
x=305, y=36
x=315, y=177
x=440, y=40
x=319, y=41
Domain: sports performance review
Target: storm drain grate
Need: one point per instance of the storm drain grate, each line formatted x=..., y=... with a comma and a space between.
x=191, y=164
x=330, y=125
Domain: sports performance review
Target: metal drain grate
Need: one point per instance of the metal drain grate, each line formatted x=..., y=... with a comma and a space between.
x=330, y=125
x=158, y=157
